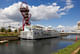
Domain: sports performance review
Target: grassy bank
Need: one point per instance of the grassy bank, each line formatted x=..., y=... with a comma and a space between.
x=78, y=52
x=9, y=34
x=69, y=49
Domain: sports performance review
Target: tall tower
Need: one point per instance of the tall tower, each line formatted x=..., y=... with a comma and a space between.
x=25, y=13
x=79, y=25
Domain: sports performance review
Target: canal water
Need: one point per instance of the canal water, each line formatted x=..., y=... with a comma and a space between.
x=45, y=46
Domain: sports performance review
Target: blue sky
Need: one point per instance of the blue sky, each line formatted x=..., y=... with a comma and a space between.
x=71, y=17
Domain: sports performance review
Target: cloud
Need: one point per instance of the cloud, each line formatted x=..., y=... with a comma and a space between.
x=44, y=12
x=54, y=4
x=78, y=22
x=12, y=14
x=68, y=6
x=66, y=28
x=62, y=13
x=60, y=26
x=15, y=24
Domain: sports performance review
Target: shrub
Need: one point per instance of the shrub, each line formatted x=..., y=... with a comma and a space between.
x=15, y=30
x=9, y=30
x=3, y=29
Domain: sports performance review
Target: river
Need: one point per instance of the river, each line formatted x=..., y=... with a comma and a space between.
x=45, y=46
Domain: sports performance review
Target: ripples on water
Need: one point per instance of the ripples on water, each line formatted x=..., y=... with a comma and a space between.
x=46, y=46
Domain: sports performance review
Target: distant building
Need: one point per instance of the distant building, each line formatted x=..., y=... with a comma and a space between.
x=37, y=27
x=42, y=27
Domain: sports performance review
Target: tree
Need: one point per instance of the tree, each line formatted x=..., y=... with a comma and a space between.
x=3, y=29
x=9, y=30
x=15, y=30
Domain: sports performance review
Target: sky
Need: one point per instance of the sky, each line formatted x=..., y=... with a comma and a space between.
x=55, y=13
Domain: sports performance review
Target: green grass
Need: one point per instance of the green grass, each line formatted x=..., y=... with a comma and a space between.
x=69, y=49
x=9, y=34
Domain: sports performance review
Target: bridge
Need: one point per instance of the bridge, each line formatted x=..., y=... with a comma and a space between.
x=68, y=33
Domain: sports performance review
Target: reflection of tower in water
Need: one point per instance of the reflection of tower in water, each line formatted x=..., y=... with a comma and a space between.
x=79, y=25
x=46, y=46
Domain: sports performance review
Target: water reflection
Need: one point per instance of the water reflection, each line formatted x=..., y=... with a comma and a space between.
x=72, y=37
x=41, y=46
x=46, y=46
